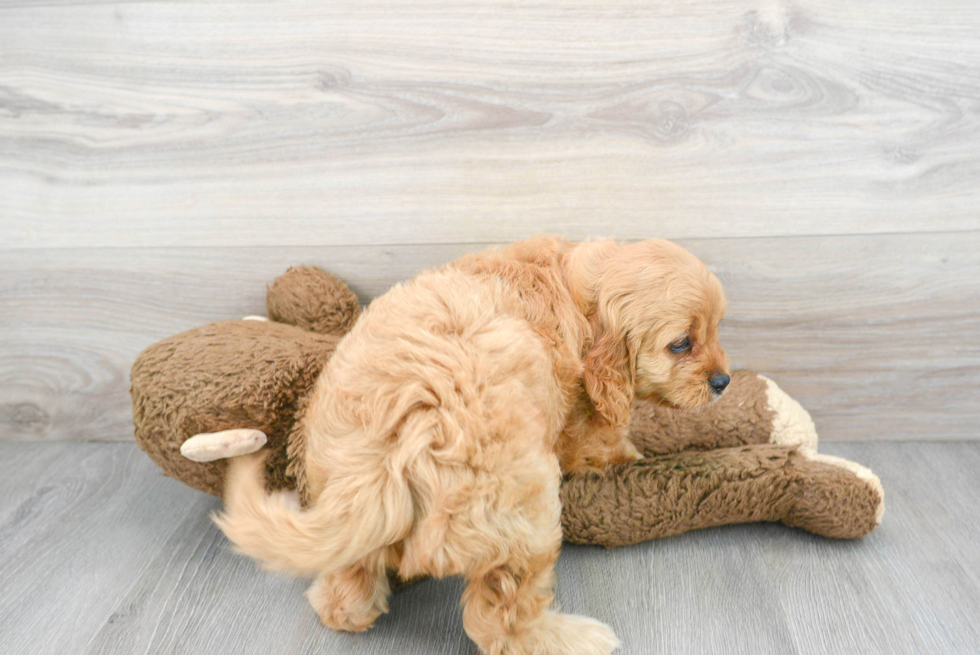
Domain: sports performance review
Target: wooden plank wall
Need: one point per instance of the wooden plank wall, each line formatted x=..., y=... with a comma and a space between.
x=161, y=161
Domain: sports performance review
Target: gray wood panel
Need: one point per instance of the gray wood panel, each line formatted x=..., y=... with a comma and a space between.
x=99, y=555
x=706, y=593
x=912, y=586
x=75, y=531
x=381, y=121
x=879, y=335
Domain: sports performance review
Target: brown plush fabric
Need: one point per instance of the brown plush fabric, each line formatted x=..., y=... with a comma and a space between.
x=233, y=374
x=312, y=299
x=255, y=374
x=739, y=417
x=832, y=501
x=672, y=494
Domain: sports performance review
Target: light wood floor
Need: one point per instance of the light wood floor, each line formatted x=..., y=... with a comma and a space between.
x=100, y=555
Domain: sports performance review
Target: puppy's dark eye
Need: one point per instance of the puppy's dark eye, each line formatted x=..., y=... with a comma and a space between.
x=680, y=346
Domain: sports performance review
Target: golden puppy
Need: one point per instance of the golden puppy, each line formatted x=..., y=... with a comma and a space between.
x=437, y=434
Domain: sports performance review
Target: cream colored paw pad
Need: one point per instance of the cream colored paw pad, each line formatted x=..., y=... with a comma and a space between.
x=791, y=424
x=211, y=446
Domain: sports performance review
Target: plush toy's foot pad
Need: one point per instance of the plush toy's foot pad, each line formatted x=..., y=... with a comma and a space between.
x=839, y=498
x=791, y=424
x=211, y=446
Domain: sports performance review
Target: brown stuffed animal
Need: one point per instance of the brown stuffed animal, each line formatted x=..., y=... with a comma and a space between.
x=232, y=387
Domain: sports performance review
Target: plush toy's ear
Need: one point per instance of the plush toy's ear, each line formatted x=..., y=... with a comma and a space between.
x=312, y=299
x=610, y=374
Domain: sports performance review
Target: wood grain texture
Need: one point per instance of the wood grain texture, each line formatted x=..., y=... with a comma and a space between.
x=75, y=531
x=101, y=556
x=878, y=335
x=910, y=587
x=708, y=592
x=386, y=122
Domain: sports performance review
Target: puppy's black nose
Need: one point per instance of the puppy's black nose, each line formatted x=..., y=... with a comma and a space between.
x=719, y=381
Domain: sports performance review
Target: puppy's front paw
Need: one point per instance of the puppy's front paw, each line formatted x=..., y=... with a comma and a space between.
x=598, y=449
x=569, y=634
x=620, y=452
x=625, y=453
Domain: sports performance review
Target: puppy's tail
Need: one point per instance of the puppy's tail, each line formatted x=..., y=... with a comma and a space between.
x=339, y=529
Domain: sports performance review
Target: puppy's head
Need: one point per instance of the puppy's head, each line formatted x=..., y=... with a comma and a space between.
x=655, y=313
x=678, y=358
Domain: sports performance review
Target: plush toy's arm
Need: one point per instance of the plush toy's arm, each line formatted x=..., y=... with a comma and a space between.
x=672, y=494
x=753, y=410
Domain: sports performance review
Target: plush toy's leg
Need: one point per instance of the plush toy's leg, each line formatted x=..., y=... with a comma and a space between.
x=672, y=494
x=353, y=598
x=831, y=503
x=753, y=410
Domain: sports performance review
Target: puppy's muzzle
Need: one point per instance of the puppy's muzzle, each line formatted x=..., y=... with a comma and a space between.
x=719, y=381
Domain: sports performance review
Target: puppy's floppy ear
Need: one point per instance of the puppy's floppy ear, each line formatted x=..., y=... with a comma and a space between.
x=610, y=374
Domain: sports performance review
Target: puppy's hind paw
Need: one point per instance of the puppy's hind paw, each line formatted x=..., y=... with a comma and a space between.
x=350, y=600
